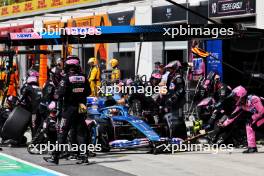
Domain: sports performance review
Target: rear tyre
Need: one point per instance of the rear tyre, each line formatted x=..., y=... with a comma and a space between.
x=104, y=139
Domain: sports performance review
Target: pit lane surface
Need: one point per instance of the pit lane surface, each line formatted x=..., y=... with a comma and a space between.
x=139, y=163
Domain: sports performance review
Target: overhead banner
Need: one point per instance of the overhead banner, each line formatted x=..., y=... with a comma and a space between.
x=168, y=13
x=219, y=8
x=122, y=18
x=38, y=5
x=215, y=48
x=4, y=31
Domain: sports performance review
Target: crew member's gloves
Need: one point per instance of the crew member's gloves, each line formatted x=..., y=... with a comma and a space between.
x=82, y=109
x=197, y=125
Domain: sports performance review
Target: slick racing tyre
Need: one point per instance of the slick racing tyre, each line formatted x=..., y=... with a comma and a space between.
x=177, y=126
x=104, y=139
x=16, y=124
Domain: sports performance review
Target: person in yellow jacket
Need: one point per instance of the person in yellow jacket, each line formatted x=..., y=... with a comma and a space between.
x=94, y=77
x=116, y=74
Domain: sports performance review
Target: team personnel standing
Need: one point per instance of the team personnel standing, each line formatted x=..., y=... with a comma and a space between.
x=55, y=76
x=164, y=74
x=94, y=77
x=116, y=74
x=30, y=97
x=72, y=92
x=175, y=98
x=14, y=82
x=3, y=77
x=48, y=91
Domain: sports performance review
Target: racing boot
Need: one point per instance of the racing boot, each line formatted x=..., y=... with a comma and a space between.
x=83, y=159
x=1, y=149
x=52, y=159
x=92, y=154
x=10, y=143
x=73, y=157
x=65, y=155
x=251, y=150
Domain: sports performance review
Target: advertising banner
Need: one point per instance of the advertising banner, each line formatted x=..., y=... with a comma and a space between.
x=38, y=5
x=219, y=8
x=214, y=47
x=25, y=36
x=168, y=13
x=198, y=67
x=81, y=21
x=122, y=18
x=4, y=31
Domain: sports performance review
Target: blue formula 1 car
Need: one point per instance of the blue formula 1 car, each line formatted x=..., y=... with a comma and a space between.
x=114, y=128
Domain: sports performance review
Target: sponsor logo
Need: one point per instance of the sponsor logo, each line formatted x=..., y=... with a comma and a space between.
x=17, y=36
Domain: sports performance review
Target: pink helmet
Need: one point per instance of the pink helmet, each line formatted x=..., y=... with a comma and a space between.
x=239, y=92
x=72, y=62
x=156, y=75
x=52, y=106
x=32, y=79
x=32, y=72
x=129, y=81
